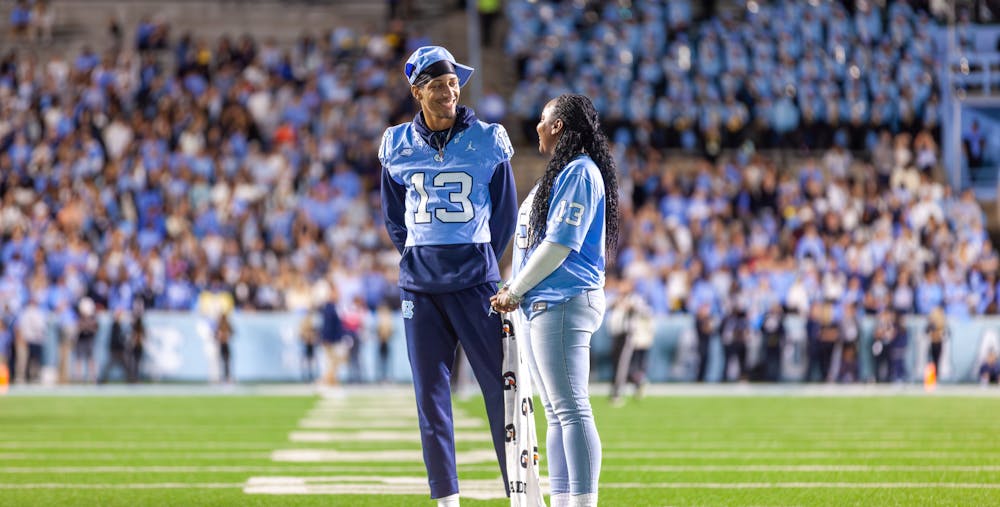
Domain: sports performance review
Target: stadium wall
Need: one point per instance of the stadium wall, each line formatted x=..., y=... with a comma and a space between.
x=266, y=348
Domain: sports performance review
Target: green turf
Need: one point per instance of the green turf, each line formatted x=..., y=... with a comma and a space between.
x=907, y=450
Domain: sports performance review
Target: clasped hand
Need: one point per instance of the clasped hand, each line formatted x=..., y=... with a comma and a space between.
x=503, y=301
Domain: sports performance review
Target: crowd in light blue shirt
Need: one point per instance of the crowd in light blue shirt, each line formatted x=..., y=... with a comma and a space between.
x=135, y=179
x=759, y=74
x=746, y=232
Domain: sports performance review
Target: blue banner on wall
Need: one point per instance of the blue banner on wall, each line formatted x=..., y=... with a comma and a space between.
x=674, y=355
x=266, y=347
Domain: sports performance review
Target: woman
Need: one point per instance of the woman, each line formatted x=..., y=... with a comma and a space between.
x=566, y=227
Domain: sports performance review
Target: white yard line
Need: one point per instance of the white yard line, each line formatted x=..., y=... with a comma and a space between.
x=799, y=485
x=314, y=423
x=367, y=395
x=365, y=485
x=380, y=436
x=804, y=468
x=174, y=446
x=479, y=435
x=910, y=444
x=402, y=422
x=265, y=469
x=478, y=489
x=418, y=468
x=363, y=413
x=790, y=454
x=150, y=485
x=489, y=489
x=333, y=456
x=193, y=455
x=794, y=435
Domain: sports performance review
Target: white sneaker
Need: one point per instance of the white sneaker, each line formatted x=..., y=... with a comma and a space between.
x=448, y=501
x=585, y=500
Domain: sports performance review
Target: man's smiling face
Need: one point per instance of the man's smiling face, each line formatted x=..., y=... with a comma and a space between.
x=438, y=98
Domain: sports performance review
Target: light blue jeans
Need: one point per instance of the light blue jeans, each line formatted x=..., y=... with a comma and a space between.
x=558, y=344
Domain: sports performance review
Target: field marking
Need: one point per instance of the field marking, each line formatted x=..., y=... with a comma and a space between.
x=363, y=404
x=887, y=453
x=479, y=489
x=379, y=436
x=799, y=485
x=363, y=413
x=415, y=456
x=149, y=485
x=805, y=468
x=137, y=445
x=272, y=469
x=331, y=455
x=97, y=456
x=366, y=394
x=110, y=469
x=393, y=435
x=798, y=437
x=410, y=422
x=488, y=489
x=846, y=445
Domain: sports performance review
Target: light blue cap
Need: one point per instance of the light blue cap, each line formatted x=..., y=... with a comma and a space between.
x=426, y=56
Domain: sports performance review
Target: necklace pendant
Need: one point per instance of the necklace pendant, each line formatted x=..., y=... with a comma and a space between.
x=439, y=157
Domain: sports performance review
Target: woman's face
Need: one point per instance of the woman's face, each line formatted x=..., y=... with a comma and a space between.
x=549, y=127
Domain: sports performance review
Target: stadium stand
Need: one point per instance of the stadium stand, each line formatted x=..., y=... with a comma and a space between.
x=737, y=231
x=143, y=172
x=164, y=163
x=781, y=74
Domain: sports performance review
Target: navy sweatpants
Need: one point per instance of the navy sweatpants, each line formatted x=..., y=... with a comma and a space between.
x=435, y=324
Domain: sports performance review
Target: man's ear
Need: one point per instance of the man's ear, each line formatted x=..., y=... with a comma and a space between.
x=415, y=91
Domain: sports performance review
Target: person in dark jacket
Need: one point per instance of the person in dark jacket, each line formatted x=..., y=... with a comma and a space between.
x=117, y=345
x=705, y=328
x=772, y=329
x=331, y=334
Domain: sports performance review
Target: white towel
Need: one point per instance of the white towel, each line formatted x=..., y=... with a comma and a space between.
x=519, y=423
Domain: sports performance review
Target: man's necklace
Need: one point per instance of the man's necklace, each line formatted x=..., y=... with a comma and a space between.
x=440, y=154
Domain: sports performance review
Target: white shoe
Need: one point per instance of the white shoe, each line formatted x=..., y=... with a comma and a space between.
x=448, y=501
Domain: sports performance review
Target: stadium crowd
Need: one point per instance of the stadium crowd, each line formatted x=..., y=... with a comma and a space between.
x=164, y=169
x=739, y=238
x=160, y=169
x=779, y=74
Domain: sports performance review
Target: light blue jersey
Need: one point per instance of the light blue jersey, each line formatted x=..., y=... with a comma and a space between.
x=448, y=201
x=451, y=211
x=576, y=220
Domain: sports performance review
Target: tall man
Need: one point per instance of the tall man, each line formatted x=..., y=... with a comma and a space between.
x=450, y=208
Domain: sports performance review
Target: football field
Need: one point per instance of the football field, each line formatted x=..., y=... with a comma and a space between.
x=681, y=445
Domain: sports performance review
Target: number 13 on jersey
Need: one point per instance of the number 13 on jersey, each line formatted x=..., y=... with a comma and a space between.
x=569, y=212
x=457, y=185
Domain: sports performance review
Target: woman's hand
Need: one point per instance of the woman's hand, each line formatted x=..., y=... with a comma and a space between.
x=503, y=301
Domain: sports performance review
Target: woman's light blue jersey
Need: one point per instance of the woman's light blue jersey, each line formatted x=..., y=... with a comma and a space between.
x=575, y=220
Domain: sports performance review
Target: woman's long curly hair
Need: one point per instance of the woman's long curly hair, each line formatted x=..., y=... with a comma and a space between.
x=581, y=134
